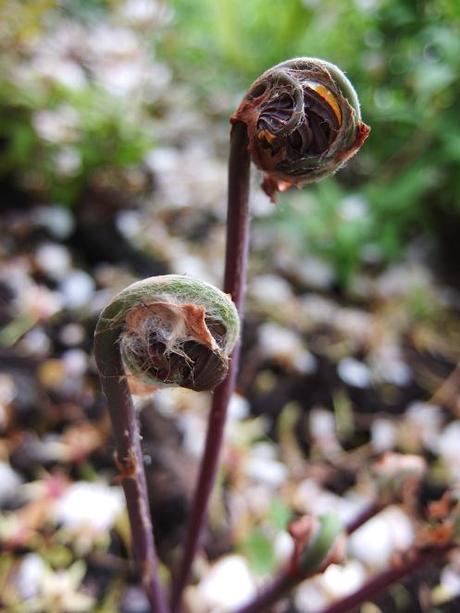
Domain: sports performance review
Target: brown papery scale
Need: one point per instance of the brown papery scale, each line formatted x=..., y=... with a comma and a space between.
x=183, y=347
x=303, y=122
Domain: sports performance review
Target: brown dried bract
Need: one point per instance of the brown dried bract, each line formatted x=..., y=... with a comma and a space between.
x=174, y=344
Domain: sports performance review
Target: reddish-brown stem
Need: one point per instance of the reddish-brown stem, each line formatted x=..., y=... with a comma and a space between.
x=129, y=461
x=234, y=284
x=283, y=583
x=383, y=580
x=286, y=581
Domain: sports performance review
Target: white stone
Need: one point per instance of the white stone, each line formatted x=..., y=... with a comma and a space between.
x=263, y=467
x=284, y=547
x=57, y=220
x=450, y=582
x=54, y=260
x=402, y=279
x=309, y=498
x=68, y=161
x=9, y=483
x=322, y=424
x=310, y=597
x=75, y=362
x=129, y=223
x=72, y=334
x=383, y=434
x=238, y=408
x=228, y=584
x=285, y=346
x=8, y=389
x=30, y=575
x=389, y=366
x=58, y=125
x=316, y=273
x=425, y=420
x=449, y=448
x=379, y=538
x=341, y=580
x=319, y=310
x=271, y=290
x=354, y=324
x=194, y=428
x=40, y=302
x=270, y=472
x=36, y=342
x=77, y=289
x=89, y=504
x=354, y=373
x=354, y=207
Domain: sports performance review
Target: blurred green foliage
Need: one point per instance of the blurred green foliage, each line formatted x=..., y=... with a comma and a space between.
x=62, y=130
x=258, y=546
x=402, y=55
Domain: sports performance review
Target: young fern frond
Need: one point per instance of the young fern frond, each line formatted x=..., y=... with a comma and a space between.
x=299, y=122
x=304, y=122
x=168, y=330
x=172, y=331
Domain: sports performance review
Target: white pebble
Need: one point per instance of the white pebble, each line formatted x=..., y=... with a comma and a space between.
x=316, y=273
x=92, y=504
x=9, y=482
x=75, y=362
x=449, y=448
x=30, y=575
x=379, y=538
x=383, y=434
x=285, y=346
x=57, y=220
x=322, y=424
x=310, y=597
x=425, y=420
x=271, y=289
x=77, y=289
x=354, y=373
x=72, y=334
x=53, y=259
x=284, y=547
x=339, y=581
x=228, y=584
x=263, y=467
x=36, y=342
x=238, y=408
x=8, y=389
x=270, y=472
x=450, y=582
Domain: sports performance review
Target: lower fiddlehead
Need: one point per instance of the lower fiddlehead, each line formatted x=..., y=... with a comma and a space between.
x=169, y=330
x=174, y=331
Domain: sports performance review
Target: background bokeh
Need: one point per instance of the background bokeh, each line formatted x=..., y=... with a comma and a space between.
x=113, y=146
x=101, y=73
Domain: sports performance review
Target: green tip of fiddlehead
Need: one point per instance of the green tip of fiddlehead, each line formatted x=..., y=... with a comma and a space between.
x=172, y=330
x=322, y=544
x=303, y=120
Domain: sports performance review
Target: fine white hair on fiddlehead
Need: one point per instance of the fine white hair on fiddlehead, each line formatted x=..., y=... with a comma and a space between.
x=173, y=331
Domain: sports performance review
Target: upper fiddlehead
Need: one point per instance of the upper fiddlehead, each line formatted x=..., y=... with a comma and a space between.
x=303, y=121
